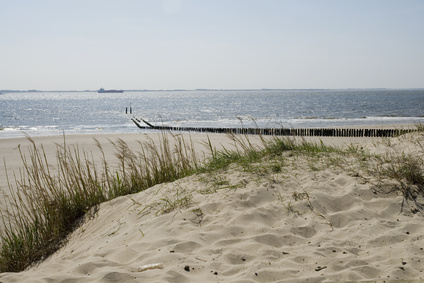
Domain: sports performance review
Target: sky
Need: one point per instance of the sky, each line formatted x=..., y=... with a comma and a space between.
x=211, y=44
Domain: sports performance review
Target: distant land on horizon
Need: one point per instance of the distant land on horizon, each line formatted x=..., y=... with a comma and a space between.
x=201, y=89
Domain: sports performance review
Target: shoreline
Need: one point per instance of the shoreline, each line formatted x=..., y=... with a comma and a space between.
x=153, y=131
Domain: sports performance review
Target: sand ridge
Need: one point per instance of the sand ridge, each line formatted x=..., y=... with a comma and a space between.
x=308, y=223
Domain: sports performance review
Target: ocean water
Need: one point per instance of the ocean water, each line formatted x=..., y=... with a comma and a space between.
x=55, y=113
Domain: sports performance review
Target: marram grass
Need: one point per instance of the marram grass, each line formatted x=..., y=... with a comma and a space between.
x=48, y=202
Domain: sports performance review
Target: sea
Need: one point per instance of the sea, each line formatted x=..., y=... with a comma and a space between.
x=37, y=113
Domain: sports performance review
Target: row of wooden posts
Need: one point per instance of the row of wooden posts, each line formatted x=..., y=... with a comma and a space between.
x=319, y=132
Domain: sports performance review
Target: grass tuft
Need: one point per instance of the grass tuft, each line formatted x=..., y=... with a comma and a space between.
x=49, y=202
x=408, y=170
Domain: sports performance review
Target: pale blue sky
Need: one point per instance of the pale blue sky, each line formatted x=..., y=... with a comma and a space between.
x=189, y=44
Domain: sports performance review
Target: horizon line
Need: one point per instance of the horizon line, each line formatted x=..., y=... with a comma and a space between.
x=222, y=89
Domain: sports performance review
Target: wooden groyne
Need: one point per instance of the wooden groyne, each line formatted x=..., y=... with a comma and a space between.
x=315, y=132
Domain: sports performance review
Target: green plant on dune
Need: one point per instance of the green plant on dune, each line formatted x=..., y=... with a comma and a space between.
x=408, y=170
x=179, y=198
x=405, y=168
x=288, y=205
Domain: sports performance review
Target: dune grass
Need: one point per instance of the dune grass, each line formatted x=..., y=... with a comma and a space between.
x=407, y=169
x=48, y=202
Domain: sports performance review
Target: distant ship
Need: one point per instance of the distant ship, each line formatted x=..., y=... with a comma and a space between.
x=102, y=90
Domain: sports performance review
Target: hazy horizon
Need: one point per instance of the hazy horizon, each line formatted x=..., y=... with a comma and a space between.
x=50, y=45
x=211, y=89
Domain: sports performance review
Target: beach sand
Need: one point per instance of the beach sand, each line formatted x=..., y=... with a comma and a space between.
x=308, y=223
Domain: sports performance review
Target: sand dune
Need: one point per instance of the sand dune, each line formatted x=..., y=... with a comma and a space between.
x=311, y=222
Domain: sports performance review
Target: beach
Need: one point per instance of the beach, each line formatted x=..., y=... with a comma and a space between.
x=310, y=221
